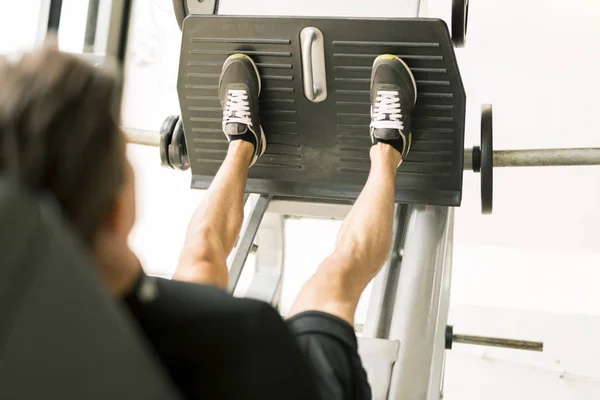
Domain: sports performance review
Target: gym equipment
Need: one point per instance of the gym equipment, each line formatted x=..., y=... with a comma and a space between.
x=315, y=77
x=166, y=135
x=172, y=146
x=483, y=160
x=315, y=72
x=62, y=336
x=480, y=159
x=460, y=17
x=318, y=142
x=452, y=338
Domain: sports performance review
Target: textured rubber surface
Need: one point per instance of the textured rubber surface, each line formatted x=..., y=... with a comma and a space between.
x=321, y=150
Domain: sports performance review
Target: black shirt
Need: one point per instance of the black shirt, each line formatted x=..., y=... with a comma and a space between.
x=216, y=346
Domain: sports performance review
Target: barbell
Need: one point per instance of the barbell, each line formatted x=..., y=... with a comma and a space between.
x=481, y=159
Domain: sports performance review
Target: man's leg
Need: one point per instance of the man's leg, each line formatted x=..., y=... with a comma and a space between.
x=216, y=224
x=365, y=238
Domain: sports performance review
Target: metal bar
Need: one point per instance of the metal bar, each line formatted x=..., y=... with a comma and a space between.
x=383, y=296
x=417, y=308
x=497, y=342
x=118, y=30
x=42, y=25
x=268, y=273
x=54, y=15
x=91, y=25
x=245, y=242
x=306, y=209
x=445, y=254
x=540, y=157
x=142, y=137
x=502, y=158
x=546, y=157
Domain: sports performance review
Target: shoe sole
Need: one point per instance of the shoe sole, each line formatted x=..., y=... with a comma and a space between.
x=412, y=77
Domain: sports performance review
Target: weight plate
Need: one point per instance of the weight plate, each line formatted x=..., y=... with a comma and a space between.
x=460, y=17
x=166, y=134
x=487, y=159
x=178, y=155
x=449, y=336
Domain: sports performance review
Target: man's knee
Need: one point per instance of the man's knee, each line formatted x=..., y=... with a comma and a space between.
x=206, y=246
x=335, y=289
x=205, y=261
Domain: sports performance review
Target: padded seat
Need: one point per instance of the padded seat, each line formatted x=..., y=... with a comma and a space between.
x=62, y=336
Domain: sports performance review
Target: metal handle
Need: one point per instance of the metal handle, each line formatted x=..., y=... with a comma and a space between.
x=313, y=64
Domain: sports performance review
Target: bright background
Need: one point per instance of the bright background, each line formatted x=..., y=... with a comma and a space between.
x=530, y=271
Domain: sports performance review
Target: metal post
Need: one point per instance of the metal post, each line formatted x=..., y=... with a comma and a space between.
x=42, y=26
x=418, y=312
x=268, y=274
x=245, y=242
x=118, y=30
x=383, y=295
x=54, y=15
x=89, y=42
x=438, y=362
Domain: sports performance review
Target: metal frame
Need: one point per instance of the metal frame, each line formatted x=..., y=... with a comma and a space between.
x=266, y=283
x=379, y=314
x=410, y=299
x=118, y=30
x=201, y=7
x=89, y=42
x=54, y=14
x=420, y=306
x=245, y=243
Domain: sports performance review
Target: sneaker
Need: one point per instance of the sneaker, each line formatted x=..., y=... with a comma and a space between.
x=239, y=88
x=393, y=97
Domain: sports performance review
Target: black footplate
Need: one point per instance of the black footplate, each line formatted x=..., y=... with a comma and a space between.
x=321, y=150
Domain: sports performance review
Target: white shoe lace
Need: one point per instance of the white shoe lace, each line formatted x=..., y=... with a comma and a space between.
x=386, y=112
x=237, y=108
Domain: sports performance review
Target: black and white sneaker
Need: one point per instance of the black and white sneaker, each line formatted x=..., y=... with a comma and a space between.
x=239, y=88
x=393, y=97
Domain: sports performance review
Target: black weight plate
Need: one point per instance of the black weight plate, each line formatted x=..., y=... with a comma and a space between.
x=178, y=155
x=487, y=159
x=449, y=336
x=166, y=135
x=460, y=17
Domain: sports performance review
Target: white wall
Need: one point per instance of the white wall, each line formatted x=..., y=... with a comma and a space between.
x=529, y=271
x=567, y=369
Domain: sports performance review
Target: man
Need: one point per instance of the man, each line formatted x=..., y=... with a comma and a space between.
x=59, y=134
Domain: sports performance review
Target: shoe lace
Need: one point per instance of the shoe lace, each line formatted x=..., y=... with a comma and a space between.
x=237, y=108
x=386, y=112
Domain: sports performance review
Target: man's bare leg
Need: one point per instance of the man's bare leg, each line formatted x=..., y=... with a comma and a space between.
x=216, y=225
x=362, y=246
x=365, y=238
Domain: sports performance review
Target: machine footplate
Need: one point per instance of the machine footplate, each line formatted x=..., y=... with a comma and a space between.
x=321, y=150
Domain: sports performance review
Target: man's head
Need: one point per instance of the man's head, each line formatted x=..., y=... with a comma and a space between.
x=60, y=135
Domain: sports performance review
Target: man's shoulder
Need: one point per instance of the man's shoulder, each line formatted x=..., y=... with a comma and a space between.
x=163, y=299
